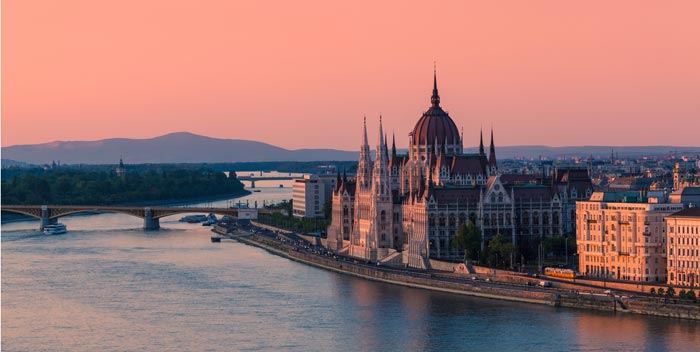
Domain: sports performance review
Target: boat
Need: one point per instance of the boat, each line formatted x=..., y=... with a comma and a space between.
x=210, y=220
x=55, y=229
x=193, y=219
x=281, y=186
x=256, y=190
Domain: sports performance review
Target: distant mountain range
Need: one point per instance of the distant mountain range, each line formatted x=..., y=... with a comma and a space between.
x=184, y=147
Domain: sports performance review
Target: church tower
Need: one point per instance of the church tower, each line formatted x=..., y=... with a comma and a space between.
x=493, y=166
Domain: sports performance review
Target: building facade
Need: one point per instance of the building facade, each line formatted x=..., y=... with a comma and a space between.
x=406, y=208
x=683, y=245
x=309, y=194
x=623, y=237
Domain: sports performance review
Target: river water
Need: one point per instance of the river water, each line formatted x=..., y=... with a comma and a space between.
x=109, y=286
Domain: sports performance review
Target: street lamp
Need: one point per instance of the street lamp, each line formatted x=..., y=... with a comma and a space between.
x=566, y=249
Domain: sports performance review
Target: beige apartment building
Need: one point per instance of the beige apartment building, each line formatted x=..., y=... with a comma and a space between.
x=310, y=193
x=622, y=236
x=683, y=230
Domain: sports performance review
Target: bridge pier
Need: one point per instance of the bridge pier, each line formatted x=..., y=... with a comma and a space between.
x=149, y=222
x=46, y=218
x=252, y=183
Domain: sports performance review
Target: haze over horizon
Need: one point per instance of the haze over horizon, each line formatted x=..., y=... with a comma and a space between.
x=303, y=75
x=467, y=144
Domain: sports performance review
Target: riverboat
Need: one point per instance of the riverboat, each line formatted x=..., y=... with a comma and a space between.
x=55, y=229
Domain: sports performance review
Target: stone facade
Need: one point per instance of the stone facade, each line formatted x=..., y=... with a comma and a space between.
x=683, y=245
x=406, y=208
x=621, y=237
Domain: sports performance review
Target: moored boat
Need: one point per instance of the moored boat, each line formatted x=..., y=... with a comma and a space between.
x=55, y=229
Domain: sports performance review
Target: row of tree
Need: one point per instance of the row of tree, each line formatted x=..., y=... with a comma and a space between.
x=500, y=252
x=671, y=292
x=101, y=187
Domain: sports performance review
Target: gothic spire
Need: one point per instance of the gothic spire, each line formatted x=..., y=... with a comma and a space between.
x=492, y=152
x=393, y=144
x=365, y=143
x=435, y=99
x=481, y=142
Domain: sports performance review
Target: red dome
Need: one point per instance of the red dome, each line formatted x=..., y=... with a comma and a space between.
x=435, y=125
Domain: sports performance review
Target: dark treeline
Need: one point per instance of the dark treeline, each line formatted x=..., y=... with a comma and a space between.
x=100, y=184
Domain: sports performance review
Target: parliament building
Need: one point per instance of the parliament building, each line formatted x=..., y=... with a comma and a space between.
x=405, y=209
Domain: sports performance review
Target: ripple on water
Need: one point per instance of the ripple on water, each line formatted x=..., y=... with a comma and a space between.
x=112, y=290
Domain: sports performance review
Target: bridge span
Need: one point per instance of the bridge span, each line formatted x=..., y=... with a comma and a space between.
x=49, y=214
x=252, y=179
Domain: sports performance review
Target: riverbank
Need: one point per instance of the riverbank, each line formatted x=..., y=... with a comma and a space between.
x=451, y=283
x=11, y=218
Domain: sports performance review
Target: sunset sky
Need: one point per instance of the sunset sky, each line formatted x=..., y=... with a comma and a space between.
x=301, y=74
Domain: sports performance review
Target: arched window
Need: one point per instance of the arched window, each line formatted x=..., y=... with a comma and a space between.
x=526, y=218
x=545, y=218
x=555, y=218
x=442, y=220
x=345, y=210
x=452, y=220
x=383, y=215
x=508, y=219
x=535, y=218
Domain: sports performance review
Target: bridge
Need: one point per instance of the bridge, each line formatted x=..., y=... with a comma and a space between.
x=252, y=179
x=49, y=214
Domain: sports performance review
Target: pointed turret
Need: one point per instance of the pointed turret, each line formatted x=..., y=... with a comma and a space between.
x=386, y=148
x=481, y=143
x=492, y=155
x=393, y=145
x=364, y=165
x=338, y=182
x=435, y=98
x=380, y=174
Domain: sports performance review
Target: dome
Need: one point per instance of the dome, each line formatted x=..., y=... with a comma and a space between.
x=435, y=124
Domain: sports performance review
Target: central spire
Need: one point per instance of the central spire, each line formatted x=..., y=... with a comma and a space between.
x=435, y=99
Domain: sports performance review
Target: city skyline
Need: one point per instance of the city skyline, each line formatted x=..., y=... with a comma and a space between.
x=541, y=74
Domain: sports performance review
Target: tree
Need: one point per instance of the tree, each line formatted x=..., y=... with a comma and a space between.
x=671, y=292
x=661, y=291
x=652, y=291
x=500, y=251
x=468, y=239
x=682, y=294
x=691, y=295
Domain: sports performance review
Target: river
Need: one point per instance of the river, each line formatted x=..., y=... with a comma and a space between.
x=109, y=286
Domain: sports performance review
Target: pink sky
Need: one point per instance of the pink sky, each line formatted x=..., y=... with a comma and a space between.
x=301, y=74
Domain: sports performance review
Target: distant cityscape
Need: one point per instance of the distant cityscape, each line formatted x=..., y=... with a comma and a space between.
x=634, y=219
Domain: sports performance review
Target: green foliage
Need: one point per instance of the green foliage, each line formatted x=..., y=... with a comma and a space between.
x=468, y=239
x=671, y=292
x=652, y=291
x=691, y=295
x=661, y=291
x=682, y=294
x=499, y=252
x=556, y=246
x=288, y=222
x=101, y=186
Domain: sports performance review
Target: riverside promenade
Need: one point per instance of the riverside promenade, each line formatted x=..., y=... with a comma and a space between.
x=295, y=248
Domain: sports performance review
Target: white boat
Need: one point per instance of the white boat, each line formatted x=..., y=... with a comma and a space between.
x=55, y=229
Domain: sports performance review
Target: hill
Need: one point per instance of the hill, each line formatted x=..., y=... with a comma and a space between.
x=184, y=147
x=181, y=147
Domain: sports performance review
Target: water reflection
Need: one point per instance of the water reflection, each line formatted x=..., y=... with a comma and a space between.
x=109, y=286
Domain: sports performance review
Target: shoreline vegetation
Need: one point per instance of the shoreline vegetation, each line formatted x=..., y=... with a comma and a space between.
x=139, y=185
